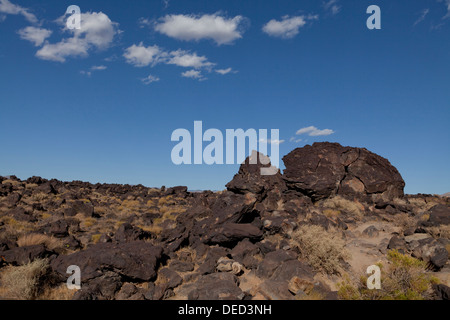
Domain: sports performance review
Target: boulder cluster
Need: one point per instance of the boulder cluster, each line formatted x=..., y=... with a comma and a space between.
x=134, y=242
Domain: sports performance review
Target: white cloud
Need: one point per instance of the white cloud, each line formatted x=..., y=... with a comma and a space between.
x=422, y=16
x=97, y=32
x=288, y=27
x=209, y=26
x=186, y=59
x=270, y=141
x=35, y=35
x=447, y=3
x=225, y=71
x=149, y=79
x=9, y=8
x=332, y=6
x=314, y=132
x=144, y=22
x=193, y=74
x=92, y=69
x=99, y=68
x=86, y=73
x=72, y=47
x=294, y=139
x=141, y=56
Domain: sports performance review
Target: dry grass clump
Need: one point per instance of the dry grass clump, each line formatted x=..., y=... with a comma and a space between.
x=12, y=182
x=405, y=278
x=38, y=197
x=86, y=223
x=339, y=205
x=421, y=204
x=442, y=231
x=404, y=221
x=324, y=249
x=32, y=239
x=57, y=293
x=24, y=282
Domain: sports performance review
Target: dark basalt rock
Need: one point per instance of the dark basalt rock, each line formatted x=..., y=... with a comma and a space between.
x=325, y=169
x=250, y=177
x=217, y=286
x=128, y=232
x=23, y=255
x=136, y=260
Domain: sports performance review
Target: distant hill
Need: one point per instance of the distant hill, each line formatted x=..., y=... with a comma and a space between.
x=446, y=194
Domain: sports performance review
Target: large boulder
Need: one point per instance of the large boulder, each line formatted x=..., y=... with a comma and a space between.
x=137, y=260
x=326, y=169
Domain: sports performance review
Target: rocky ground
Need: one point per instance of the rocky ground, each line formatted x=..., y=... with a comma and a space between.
x=310, y=233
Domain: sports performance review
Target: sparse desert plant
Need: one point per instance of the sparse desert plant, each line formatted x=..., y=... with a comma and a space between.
x=12, y=182
x=354, y=208
x=404, y=278
x=37, y=238
x=87, y=223
x=57, y=293
x=46, y=215
x=324, y=249
x=166, y=201
x=404, y=221
x=24, y=282
x=442, y=231
x=96, y=238
x=38, y=197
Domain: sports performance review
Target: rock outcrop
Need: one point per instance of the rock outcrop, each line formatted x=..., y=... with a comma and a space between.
x=325, y=169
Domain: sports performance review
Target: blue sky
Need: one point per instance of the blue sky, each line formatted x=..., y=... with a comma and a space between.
x=99, y=104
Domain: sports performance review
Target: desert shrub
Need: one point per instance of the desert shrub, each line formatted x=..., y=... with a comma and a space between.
x=165, y=201
x=341, y=204
x=324, y=249
x=405, y=278
x=24, y=282
x=96, y=238
x=36, y=238
x=404, y=221
x=442, y=231
x=87, y=223
x=12, y=182
x=38, y=197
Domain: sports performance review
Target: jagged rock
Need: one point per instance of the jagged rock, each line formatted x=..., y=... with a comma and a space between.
x=23, y=255
x=172, y=278
x=59, y=229
x=439, y=215
x=127, y=290
x=245, y=252
x=272, y=261
x=442, y=291
x=101, y=288
x=275, y=290
x=217, y=286
x=233, y=233
x=13, y=199
x=128, y=232
x=429, y=250
x=371, y=232
x=182, y=266
x=252, y=176
x=210, y=262
x=325, y=169
x=397, y=243
x=135, y=260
